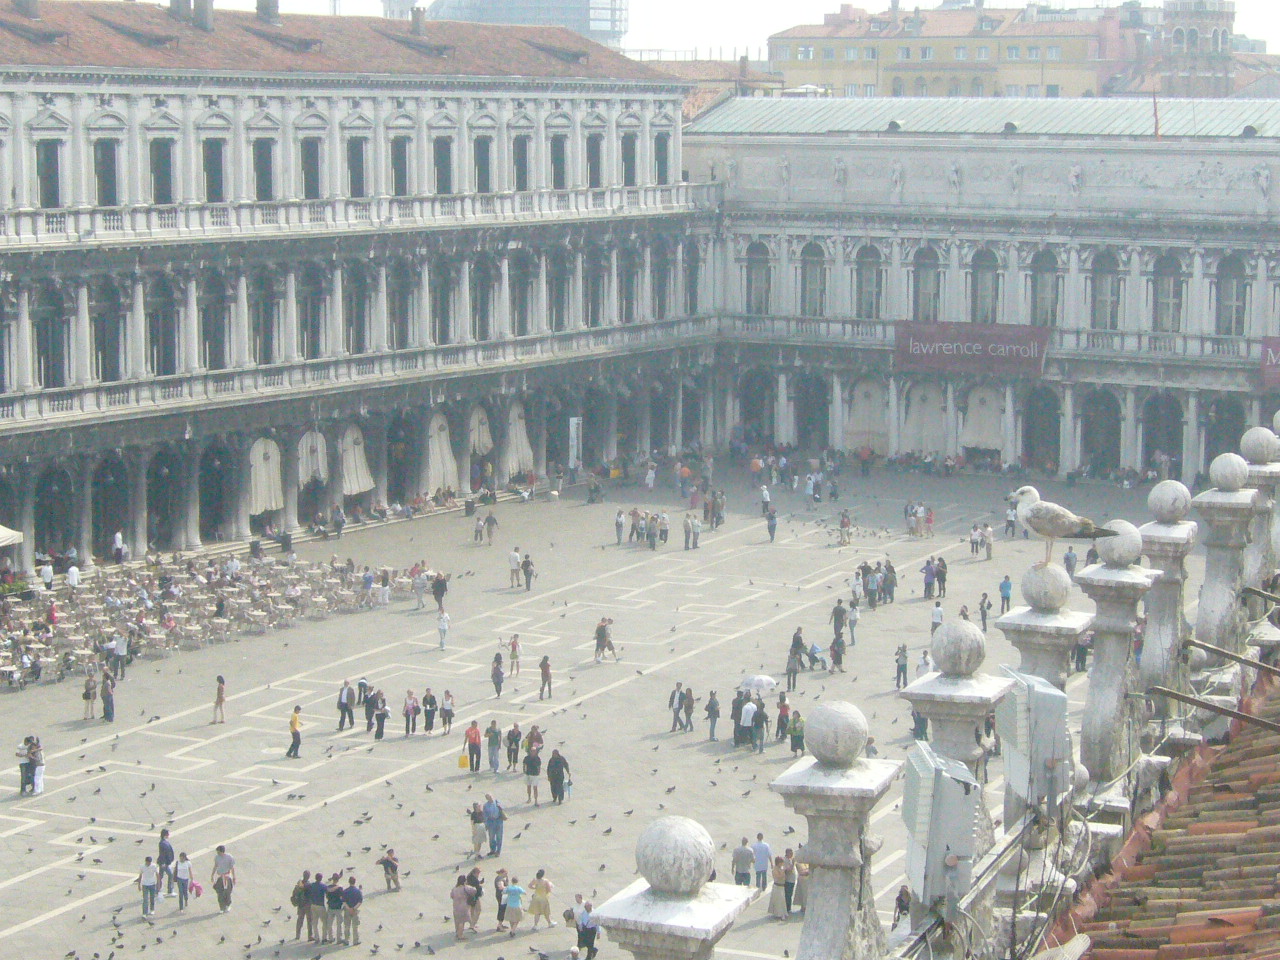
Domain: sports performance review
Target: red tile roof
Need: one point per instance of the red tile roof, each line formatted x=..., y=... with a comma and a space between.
x=132, y=35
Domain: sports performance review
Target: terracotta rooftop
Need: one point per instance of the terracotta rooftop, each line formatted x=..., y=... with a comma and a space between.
x=1198, y=877
x=143, y=36
x=726, y=71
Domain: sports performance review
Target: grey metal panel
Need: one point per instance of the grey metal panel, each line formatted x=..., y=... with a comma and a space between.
x=1086, y=117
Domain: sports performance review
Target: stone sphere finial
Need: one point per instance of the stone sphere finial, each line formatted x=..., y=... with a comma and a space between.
x=1124, y=548
x=675, y=855
x=1169, y=501
x=836, y=733
x=1228, y=472
x=1046, y=588
x=959, y=648
x=1259, y=446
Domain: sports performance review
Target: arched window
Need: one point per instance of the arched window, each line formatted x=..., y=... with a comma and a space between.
x=1104, y=308
x=984, y=287
x=899, y=88
x=813, y=280
x=758, y=277
x=1231, y=298
x=926, y=294
x=954, y=88
x=922, y=87
x=868, y=284
x=1179, y=40
x=977, y=88
x=1166, y=300
x=1044, y=289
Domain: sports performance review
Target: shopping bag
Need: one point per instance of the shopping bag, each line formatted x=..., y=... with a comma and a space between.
x=464, y=763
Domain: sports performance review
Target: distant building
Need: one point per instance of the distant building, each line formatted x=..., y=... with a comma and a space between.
x=717, y=80
x=604, y=21
x=1184, y=48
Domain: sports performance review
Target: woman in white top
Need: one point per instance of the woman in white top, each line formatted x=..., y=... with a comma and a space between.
x=36, y=756
x=182, y=872
x=148, y=881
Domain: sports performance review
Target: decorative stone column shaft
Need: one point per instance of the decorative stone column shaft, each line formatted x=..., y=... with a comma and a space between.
x=1261, y=449
x=1166, y=541
x=1227, y=510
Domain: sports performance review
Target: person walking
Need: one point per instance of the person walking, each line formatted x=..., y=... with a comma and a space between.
x=497, y=674
x=778, y=897
x=478, y=833
x=183, y=875
x=689, y=702
x=675, y=703
x=223, y=876
x=935, y=617
x=390, y=865
x=900, y=659
x=795, y=728
x=588, y=928
x=429, y=707
x=493, y=741
x=462, y=896
x=1006, y=594
x=988, y=539
x=1069, y=561
x=532, y=772
x=442, y=625
x=513, y=656
x=513, y=567
x=164, y=862
x=544, y=671
x=619, y=524
x=527, y=569
x=295, y=733
x=472, y=738
x=380, y=713
x=557, y=777
x=439, y=587
x=540, y=899
x=148, y=881
x=346, y=712
x=771, y=523
x=447, y=707
x=758, y=720
x=494, y=817
x=411, y=709
x=762, y=857
x=984, y=606
x=712, y=710
x=940, y=573
x=794, y=663
x=219, y=701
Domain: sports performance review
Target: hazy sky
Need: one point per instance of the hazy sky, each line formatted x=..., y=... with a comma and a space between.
x=746, y=24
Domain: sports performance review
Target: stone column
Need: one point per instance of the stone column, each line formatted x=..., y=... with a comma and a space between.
x=502, y=315
x=1130, y=433
x=423, y=335
x=333, y=453
x=895, y=421
x=463, y=322
x=240, y=351
x=835, y=790
x=610, y=445
x=1045, y=634
x=81, y=353
x=1166, y=542
x=538, y=438
x=335, y=338
x=84, y=501
x=835, y=414
x=289, y=318
x=1261, y=449
x=136, y=462
x=289, y=480
x=135, y=334
x=1008, y=429
x=644, y=421
x=784, y=414
x=28, y=477
x=952, y=434
x=462, y=451
x=378, y=335
x=675, y=413
x=1227, y=510
x=191, y=357
x=1068, y=448
x=1191, y=453
x=1108, y=732
x=375, y=450
x=673, y=913
x=23, y=354
x=241, y=486
x=189, y=477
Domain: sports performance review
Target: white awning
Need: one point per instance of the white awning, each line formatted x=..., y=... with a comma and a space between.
x=313, y=458
x=442, y=466
x=518, y=455
x=265, y=490
x=355, y=467
x=982, y=423
x=9, y=538
x=481, y=437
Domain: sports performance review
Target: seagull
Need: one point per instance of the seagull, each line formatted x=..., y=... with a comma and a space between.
x=1051, y=521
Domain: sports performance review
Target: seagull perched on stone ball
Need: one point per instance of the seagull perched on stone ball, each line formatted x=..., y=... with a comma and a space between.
x=1052, y=521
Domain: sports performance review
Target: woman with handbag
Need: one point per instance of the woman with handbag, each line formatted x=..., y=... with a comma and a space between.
x=411, y=710
x=478, y=833
x=90, y=696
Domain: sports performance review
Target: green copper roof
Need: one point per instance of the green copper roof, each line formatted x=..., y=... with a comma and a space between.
x=1085, y=117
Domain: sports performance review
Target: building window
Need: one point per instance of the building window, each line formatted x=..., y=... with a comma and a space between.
x=899, y=88
x=264, y=178
x=1231, y=298
x=984, y=287
x=828, y=53
x=662, y=158
x=960, y=53
x=106, y=172
x=1044, y=289
x=1012, y=90
x=442, y=161
x=904, y=53
x=357, y=180
x=804, y=53
x=977, y=88
x=1033, y=53
x=926, y=293
x=49, y=173
x=869, y=90
x=851, y=53
x=1166, y=300
x=813, y=281
x=870, y=53
x=310, y=151
x=212, y=152
x=868, y=284
x=757, y=280
x=1104, y=309
x=481, y=155
x=954, y=88
x=595, y=160
x=1013, y=53
x=926, y=53
x=161, y=156
x=559, y=162
x=984, y=53
x=1051, y=91
x=922, y=87
x=1053, y=53
x=1033, y=90
x=781, y=53
x=630, y=163
x=851, y=89
x=400, y=147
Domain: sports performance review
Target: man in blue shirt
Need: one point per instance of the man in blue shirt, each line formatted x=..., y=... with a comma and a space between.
x=763, y=858
x=493, y=817
x=1006, y=593
x=352, y=897
x=315, y=898
x=164, y=860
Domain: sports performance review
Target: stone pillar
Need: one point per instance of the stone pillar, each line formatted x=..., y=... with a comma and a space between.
x=1227, y=510
x=191, y=356
x=84, y=502
x=135, y=334
x=577, y=311
x=1045, y=634
x=241, y=486
x=644, y=421
x=1068, y=433
x=784, y=414
x=538, y=439
x=1130, y=433
x=81, y=352
x=1166, y=542
x=1008, y=431
x=609, y=447
x=835, y=790
x=378, y=335
x=136, y=462
x=333, y=452
x=189, y=477
x=895, y=421
x=289, y=480
x=1191, y=454
x=1108, y=742
x=375, y=450
x=422, y=332
x=952, y=434
x=462, y=452
x=289, y=318
x=502, y=315
x=539, y=321
x=673, y=913
x=835, y=414
x=1261, y=449
x=675, y=425
x=29, y=475
x=335, y=345
x=463, y=322
x=240, y=354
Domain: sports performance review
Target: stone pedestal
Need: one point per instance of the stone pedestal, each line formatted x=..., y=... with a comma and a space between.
x=1044, y=634
x=1260, y=449
x=1227, y=510
x=1166, y=541
x=673, y=913
x=835, y=790
x=1108, y=741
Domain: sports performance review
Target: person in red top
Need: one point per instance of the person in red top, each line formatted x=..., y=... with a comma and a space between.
x=472, y=737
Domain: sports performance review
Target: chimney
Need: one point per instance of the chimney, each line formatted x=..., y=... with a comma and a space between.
x=893, y=10
x=180, y=9
x=269, y=11
x=28, y=8
x=743, y=66
x=419, y=26
x=203, y=16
